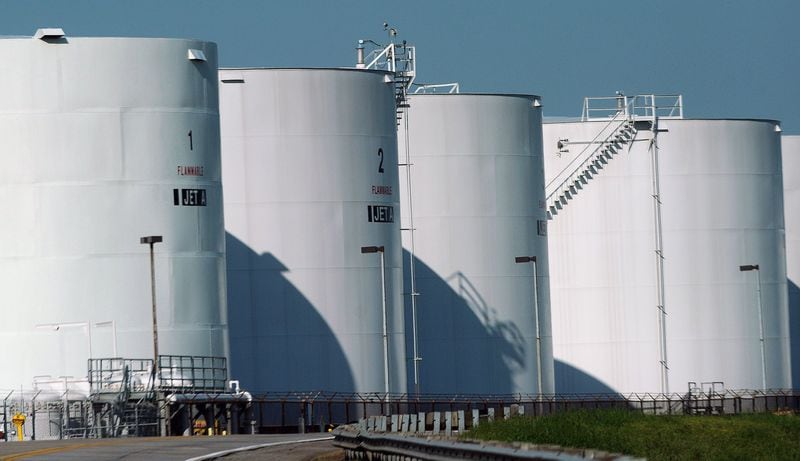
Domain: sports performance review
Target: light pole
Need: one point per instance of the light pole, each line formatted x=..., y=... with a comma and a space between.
x=152, y=240
x=113, y=325
x=525, y=260
x=380, y=250
x=748, y=268
x=58, y=326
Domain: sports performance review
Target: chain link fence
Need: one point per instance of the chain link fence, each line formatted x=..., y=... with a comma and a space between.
x=49, y=416
x=309, y=411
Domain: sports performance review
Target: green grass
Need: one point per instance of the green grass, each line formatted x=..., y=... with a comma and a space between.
x=740, y=437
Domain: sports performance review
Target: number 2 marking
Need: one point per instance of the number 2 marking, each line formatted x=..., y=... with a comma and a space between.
x=380, y=167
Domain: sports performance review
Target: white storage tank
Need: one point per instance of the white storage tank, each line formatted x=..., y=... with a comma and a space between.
x=105, y=141
x=634, y=234
x=475, y=162
x=790, y=146
x=310, y=174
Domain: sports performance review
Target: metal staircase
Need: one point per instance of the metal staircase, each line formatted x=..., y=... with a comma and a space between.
x=621, y=131
x=404, y=78
x=400, y=60
x=622, y=113
x=122, y=392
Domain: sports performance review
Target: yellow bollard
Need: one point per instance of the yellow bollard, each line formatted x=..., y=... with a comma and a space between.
x=19, y=421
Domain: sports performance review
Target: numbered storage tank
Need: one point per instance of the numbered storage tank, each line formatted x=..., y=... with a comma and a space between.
x=475, y=163
x=790, y=146
x=106, y=141
x=310, y=175
x=674, y=214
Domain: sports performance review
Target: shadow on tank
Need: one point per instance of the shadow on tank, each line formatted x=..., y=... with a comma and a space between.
x=465, y=346
x=278, y=340
x=794, y=331
x=571, y=380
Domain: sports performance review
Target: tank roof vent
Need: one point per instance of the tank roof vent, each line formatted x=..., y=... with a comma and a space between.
x=196, y=55
x=778, y=128
x=49, y=33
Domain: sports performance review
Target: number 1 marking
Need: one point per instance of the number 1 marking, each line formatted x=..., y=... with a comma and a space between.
x=191, y=144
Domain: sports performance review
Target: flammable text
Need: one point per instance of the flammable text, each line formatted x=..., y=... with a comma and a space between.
x=192, y=170
x=381, y=190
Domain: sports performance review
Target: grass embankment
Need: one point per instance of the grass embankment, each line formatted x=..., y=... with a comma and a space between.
x=740, y=437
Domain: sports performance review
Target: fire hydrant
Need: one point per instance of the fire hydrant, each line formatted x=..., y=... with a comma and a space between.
x=19, y=421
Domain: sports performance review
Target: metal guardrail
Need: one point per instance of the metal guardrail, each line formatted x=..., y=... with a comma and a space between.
x=359, y=444
x=119, y=376
x=185, y=373
x=437, y=88
x=176, y=373
x=641, y=106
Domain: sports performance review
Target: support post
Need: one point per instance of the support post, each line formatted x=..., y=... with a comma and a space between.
x=532, y=259
x=152, y=240
x=761, y=334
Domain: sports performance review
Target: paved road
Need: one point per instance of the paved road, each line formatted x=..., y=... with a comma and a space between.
x=312, y=451
x=294, y=447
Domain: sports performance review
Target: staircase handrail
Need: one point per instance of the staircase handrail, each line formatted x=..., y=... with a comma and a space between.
x=398, y=59
x=620, y=117
x=607, y=112
x=638, y=107
x=661, y=105
x=387, y=52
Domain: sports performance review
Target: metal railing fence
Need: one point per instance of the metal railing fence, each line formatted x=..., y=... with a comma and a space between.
x=640, y=106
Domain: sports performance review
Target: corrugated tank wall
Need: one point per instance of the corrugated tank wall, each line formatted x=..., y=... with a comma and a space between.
x=721, y=207
x=100, y=150
x=310, y=174
x=790, y=147
x=475, y=162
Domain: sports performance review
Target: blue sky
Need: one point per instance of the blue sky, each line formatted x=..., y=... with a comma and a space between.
x=730, y=59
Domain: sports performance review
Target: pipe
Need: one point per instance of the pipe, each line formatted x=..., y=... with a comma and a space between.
x=360, y=55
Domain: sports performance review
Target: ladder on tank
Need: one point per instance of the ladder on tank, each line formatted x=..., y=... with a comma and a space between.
x=416, y=359
x=400, y=60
